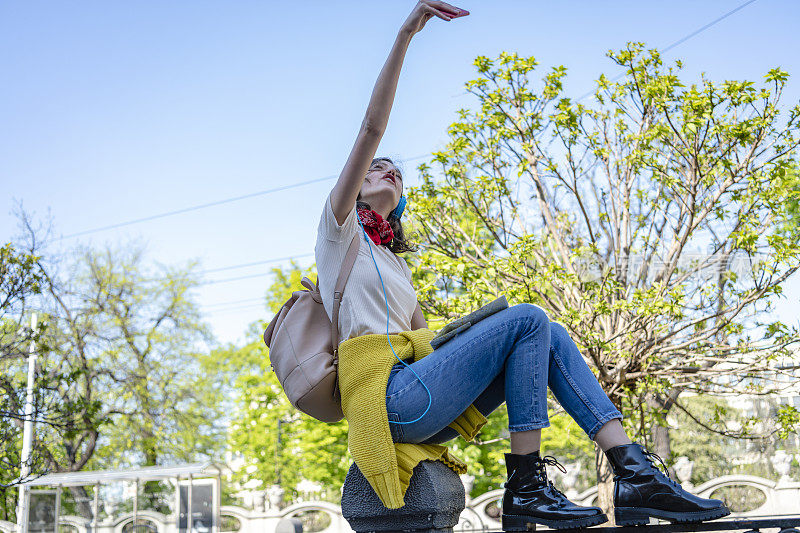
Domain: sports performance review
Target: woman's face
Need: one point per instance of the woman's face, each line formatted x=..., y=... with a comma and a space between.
x=383, y=180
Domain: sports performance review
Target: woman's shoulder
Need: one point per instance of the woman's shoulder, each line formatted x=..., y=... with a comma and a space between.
x=329, y=228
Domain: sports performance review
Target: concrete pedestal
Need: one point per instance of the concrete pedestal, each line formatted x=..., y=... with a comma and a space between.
x=434, y=502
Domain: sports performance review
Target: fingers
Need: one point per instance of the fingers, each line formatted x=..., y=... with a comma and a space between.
x=449, y=9
x=442, y=15
x=445, y=11
x=430, y=11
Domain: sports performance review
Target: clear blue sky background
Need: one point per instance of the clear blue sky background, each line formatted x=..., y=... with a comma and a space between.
x=112, y=111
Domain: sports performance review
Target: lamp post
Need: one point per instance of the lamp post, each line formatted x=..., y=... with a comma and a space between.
x=278, y=452
x=27, y=437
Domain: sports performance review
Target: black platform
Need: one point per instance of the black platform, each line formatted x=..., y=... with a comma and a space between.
x=784, y=524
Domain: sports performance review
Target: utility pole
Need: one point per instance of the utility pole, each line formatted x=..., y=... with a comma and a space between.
x=279, y=451
x=27, y=437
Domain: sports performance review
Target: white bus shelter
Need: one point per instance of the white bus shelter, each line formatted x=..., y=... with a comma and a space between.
x=187, y=476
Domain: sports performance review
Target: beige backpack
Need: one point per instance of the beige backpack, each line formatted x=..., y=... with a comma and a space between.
x=304, y=346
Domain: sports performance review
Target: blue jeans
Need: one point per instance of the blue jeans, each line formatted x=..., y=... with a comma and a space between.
x=511, y=356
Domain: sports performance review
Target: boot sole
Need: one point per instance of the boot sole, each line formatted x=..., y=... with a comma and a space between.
x=512, y=522
x=640, y=516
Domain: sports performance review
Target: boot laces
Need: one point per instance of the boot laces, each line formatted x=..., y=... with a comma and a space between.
x=552, y=461
x=542, y=471
x=650, y=455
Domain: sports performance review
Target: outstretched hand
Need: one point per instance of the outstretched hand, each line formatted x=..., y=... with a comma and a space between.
x=426, y=9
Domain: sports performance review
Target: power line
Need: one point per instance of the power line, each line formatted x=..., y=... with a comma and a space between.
x=233, y=302
x=680, y=41
x=704, y=28
x=209, y=204
x=231, y=267
x=192, y=208
x=249, y=276
x=244, y=265
x=214, y=282
x=237, y=308
x=668, y=48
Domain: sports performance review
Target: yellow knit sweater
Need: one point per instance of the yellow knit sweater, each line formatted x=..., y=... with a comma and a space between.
x=364, y=366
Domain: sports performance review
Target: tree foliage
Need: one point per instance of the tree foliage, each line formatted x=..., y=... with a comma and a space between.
x=596, y=212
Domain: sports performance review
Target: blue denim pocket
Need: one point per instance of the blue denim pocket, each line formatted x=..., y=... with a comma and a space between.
x=395, y=429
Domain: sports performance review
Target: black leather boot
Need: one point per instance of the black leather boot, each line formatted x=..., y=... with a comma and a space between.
x=530, y=498
x=641, y=490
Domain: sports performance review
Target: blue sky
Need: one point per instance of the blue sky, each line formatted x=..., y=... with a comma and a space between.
x=114, y=111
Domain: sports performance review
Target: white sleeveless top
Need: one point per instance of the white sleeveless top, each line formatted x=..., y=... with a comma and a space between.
x=363, y=308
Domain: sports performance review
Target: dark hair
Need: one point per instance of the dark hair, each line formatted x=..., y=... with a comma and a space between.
x=399, y=243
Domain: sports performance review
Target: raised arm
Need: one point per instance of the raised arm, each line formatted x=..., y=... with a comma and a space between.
x=345, y=192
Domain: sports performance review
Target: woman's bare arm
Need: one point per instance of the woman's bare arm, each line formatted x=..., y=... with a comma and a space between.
x=345, y=192
x=418, y=319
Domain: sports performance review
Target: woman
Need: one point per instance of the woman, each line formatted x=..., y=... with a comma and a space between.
x=433, y=396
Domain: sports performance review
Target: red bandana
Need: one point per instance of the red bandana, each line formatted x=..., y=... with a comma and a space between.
x=376, y=227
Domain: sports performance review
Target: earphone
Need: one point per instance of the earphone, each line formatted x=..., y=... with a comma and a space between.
x=397, y=211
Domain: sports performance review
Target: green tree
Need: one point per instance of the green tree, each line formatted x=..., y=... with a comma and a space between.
x=152, y=343
x=649, y=221
x=125, y=361
x=22, y=286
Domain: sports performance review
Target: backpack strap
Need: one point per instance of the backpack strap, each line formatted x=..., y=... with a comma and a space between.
x=341, y=281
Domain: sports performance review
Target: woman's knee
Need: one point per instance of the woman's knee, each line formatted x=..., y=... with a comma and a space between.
x=533, y=312
x=558, y=330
